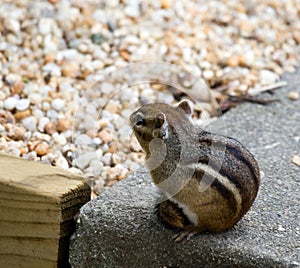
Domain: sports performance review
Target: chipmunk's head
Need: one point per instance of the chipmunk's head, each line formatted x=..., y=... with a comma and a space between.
x=156, y=120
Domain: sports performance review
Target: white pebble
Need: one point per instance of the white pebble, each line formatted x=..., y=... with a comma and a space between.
x=52, y=68
x=83, y=139
x=58, y=104
x=165, y=97
x=2, y=128
x=45, y=26
x=29, y=123
x=10, y=103
x=44, y=90
x=132, y=11
x=46, y=106
x=75, y=171
x=12, y=25
x=38, y=113
x=22, y=104
x=42, y=123
x=59, y=139
x=107, y=159
x=125, y=131
x=35, y=98
x=107, y=88
x=267, y=77
x=52, y=114
x=208, y=74
x=84, y=159
x=32, y=156
x=61, y=162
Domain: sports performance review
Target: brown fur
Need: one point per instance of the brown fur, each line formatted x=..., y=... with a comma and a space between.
x=232, y=169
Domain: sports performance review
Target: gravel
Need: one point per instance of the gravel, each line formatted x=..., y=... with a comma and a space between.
x=62, y=62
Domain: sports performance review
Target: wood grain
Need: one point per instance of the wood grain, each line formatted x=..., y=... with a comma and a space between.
x=37, y=208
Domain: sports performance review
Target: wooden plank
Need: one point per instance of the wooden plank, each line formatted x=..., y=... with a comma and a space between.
x=26, y=262
x=37, y=208
x=29, y=229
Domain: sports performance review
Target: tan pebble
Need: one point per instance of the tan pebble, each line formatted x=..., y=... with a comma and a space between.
x=50, y=58
x=134, y=145
x=50, y=128
x=125, y=55
x=63, y=125
x=22, y=114
x=293, y=95
x=70, y=69
x=6, y=117
x=116, y=147
x=111, y=107
x=166, y=3
x=91, y=133
x=233, y=61
x=114, y=173
x=17, y=87
x=102, y=123
x=296, y=36
x=42, y=149
x=23, y=150
x=32, y=144
x=110, y=183
x=16, y=133
x=296, y=160
x=105, y=136
x=156, y=86
x=52, y=95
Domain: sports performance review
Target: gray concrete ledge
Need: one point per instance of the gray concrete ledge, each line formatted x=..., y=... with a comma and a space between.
x=119, y=228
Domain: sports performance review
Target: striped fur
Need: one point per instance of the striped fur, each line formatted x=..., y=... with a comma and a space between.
x=223, y=180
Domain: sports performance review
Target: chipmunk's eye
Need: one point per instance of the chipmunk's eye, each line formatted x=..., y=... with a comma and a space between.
x=140, y=121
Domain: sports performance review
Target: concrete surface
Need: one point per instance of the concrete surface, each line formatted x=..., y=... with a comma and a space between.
x=119, y=228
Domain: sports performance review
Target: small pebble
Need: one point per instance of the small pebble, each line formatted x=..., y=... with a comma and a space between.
x=83, y=139
x=10, y=103
x=267, y=77
x=22, y=104
x=12, y=25
x=59, y=139
x=16, y=132
x=61, y=162
x=84, y=160
x=50, y=128
x=296, y=160
x=70, y=69
x=58, y=104
x=293, y=95
x=134, y=145
x=45, y=26
x=105, y=136
x=30, y=123
x=63, y=125
x=107, y=159
x=22, y=114
x=42, y=149
x=42, y=123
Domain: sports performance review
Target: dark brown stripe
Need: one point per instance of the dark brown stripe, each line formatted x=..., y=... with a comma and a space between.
x=218, y=168
x=239, y=155
x=218, y=186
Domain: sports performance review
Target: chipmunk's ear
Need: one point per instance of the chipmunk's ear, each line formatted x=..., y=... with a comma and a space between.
x=187, y=107
x=161, y=126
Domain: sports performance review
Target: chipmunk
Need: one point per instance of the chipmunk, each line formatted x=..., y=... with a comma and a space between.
x=209, y=181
